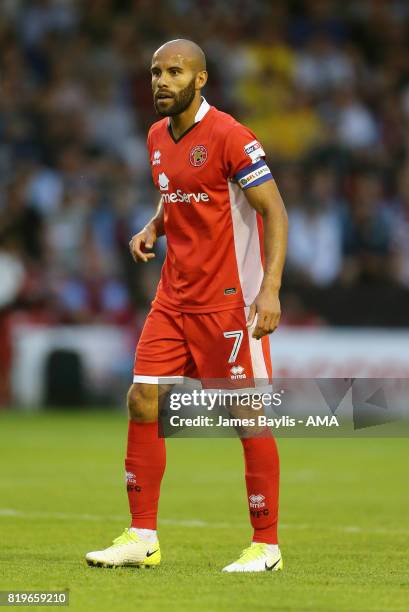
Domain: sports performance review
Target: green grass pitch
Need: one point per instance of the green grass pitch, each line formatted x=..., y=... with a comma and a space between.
x=344, y=520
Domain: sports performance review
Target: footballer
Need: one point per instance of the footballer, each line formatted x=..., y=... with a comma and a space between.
x=217, y=299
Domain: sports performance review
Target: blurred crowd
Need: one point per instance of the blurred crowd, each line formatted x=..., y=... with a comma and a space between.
x=325, y=86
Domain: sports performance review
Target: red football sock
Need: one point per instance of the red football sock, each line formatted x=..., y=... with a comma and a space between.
x=145, y=464
x=262, y=482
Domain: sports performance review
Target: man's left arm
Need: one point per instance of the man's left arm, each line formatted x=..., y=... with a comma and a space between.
x=266, y=200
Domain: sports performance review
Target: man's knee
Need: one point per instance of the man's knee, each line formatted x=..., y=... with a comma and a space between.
x=142, y=402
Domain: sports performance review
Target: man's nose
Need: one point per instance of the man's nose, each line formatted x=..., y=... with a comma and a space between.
x=161, y=81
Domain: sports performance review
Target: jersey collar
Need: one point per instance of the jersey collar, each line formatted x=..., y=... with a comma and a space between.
x=203, y=110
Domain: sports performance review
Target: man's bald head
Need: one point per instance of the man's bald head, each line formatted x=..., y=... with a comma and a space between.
x=178, y=75
x=186, y=49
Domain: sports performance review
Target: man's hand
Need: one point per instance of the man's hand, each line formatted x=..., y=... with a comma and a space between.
x=145, y=239
x=268, y=310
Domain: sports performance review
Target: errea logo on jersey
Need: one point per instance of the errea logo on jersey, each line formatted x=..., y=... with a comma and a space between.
x=156, y=158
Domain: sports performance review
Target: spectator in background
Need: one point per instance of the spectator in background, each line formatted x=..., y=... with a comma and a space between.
x=366, y=233
x=44, y=189
x=110, y=124
x=314, y=241
x=315, y=17
x=355, y=125
x=66, y=232
x=400, y=228
x=321, y=66
x=291, y=180
x=21, y=225
x=42, y=16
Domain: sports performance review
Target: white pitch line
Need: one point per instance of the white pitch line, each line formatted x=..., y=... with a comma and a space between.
x=11, y=512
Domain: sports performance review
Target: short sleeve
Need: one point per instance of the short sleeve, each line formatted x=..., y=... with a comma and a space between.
x=244, y=158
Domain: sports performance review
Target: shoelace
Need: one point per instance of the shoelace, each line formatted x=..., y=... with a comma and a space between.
x=251, y=553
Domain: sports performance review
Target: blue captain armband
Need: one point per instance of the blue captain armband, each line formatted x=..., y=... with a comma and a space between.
x=253, y=175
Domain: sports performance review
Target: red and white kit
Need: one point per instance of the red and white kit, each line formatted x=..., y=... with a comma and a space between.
x=214, y=263
x=212, y=274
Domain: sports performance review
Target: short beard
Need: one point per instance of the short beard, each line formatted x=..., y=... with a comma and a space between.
x=181, y=102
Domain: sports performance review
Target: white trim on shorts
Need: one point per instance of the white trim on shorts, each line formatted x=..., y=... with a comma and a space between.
x=258, y=359
x=165, y=380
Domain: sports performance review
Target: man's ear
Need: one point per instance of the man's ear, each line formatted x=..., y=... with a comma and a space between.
x=201, y=79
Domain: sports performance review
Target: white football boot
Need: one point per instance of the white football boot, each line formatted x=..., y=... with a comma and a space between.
x=127, y=549
x=257, y=558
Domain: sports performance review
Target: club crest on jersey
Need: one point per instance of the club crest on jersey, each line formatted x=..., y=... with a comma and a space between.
x=163, y=182
x=198, y=155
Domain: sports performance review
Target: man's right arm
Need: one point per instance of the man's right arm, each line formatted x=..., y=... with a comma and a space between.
x=146, y=238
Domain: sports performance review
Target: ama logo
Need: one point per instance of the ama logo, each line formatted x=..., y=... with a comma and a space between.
x=163, y=182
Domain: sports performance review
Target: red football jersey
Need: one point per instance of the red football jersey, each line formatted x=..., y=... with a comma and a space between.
x=214, y=257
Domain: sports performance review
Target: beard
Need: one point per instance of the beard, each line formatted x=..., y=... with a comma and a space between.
x=181, y=101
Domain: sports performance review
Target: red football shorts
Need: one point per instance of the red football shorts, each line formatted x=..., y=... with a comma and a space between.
x=215, y=345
